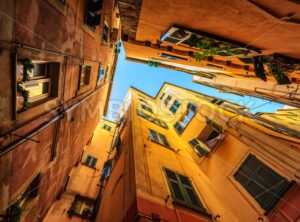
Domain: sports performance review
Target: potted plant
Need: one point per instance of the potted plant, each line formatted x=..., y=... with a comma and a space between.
x=22, y=98
x=23, y=72
x=27, y=69
x=15, y=212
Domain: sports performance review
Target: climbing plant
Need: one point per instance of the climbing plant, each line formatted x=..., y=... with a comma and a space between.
x=27, y=69
x=209, y=47
x=153, y=64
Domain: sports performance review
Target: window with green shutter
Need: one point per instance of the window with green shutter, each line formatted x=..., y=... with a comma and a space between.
x=147, y=108
x=214, y=125
x=200, y=148
x=162, y=96
x=152, y=119
x=158, y=138
x=107, y=127
x=176, y=104
x=91, y=161
x=261, y=182
x=182, y=190
x=167, y=100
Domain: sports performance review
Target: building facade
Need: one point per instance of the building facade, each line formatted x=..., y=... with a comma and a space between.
x=217, y=42
x=185, y=156
x=57, y=62
x=79, y=200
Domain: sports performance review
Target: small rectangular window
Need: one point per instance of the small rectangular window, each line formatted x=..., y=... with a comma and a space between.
x=176, y=104
x=162, y=96
x=91, y=161
x=180, y=125
x=158, y=138
x=147, y=108
x=167, y=100
x=217, y=101
x=106, y=170
x=105, y=33
x=82, y=206
x=36, y=81
x=261, y=182
x=152, y=119
x=92, y=15
x=107, y=127
x=85, y=75
x=100, y=76
x=182, y=190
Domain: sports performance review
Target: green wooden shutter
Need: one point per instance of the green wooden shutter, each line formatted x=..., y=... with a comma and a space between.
x=261, y=182
x=175, y=188
x=214, y=125
x=94, y=162
x=190, y=193
x=182, y=190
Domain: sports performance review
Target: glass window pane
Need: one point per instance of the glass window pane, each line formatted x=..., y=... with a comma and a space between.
x=37, y=88
x=176, y=191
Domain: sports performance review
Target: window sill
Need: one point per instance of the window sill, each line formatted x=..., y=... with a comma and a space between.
x=94, y=168
x=39, y=108
x=168, y=147
x=203, y=213
x=87, y=29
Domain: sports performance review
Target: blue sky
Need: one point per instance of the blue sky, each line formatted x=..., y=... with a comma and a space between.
x=150, y=79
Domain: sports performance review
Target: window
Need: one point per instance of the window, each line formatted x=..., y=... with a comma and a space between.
x=92, y=17
x=100, y=76
x=182, y=190
x=105, y=33
x=36, y=81
x=118, y=143
x=147, y=108
x=176, y=35
x=180, y=125
x=85, y=75
x=152, y=119
x=167, y=100
x=172, y=57
x=261, y=182
x=32, y=190
x=91, y=161
x=24, y=200
x=106, y=170
x=158, y=138
x=143, y=101
x=199, y=147
x=162, y=96
x=217, y=101
x=175, y=106
x=107, y=127
x=209, y=138
x=82, y=206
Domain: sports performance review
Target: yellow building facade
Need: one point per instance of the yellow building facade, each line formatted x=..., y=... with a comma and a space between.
x=185, y=156
x=79, y=198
